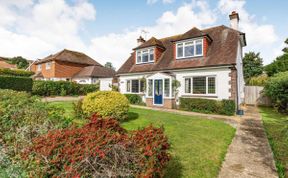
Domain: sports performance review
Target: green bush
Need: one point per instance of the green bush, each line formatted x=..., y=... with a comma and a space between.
x=106, y=104
x=226, y=107
x=62, y=88
x=16, y=83
x=134, y=98
x=16, y=72
x=22, y=118
x=277, y=89
x=258, y=80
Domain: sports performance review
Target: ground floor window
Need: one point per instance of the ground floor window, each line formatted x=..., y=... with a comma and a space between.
x=150, y=87
x=167, y=87
x=200, y=85
x=135, y=86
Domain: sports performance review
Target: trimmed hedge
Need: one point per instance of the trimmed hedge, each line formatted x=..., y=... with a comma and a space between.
x=225, y=107
x=134, y=98
x=16, y=83
x=62, y=88
x=16, y=72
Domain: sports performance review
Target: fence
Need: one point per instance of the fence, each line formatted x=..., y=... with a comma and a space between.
x=254, y=96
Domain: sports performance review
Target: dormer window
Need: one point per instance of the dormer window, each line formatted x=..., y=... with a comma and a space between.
x=189, y=48
x=145, y=56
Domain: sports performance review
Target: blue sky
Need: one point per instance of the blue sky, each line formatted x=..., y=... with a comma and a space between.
x=107, y=30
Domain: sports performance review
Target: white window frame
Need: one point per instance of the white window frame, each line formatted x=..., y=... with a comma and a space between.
x=184, y=44
x=206, y=92
x=48, y=65
x=139, y=89
x=39, y=67
x=141, y=54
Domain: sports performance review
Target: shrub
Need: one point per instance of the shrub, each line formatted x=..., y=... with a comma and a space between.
x=134, y=98
x=226, y=107
x=16, y=72
x=106, y=104
x=277, y=89
x=258, y=80
x=22, y=118
x=62, y=88
x=16, y=83
x=77, y=109
x=101, y=148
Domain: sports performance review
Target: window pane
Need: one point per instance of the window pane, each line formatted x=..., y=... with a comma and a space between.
x=180, y=50
x=199, y=47
x=139, y=57
x=142, y=86
x=150, y=85
x=199, y=85
x=151, y=55
x=167, y=87
x=145, y=56
x=211, y=85
x=189, y=50
x=187, y=85
x=128, y=86
x=135, y=86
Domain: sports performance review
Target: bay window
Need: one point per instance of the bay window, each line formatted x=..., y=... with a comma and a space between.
x=200, y=85
x=191, y=48
x=167, y=87
x=150, y=87
x=145, y=56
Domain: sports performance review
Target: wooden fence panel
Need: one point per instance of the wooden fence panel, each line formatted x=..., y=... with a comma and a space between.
x=254, y=96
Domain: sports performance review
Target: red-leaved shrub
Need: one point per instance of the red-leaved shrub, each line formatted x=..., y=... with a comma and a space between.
x=101, y=148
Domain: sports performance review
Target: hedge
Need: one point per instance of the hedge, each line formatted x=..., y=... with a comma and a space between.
x=16, y=83
x=16, y=72
x=134, y=98
x=225, y=107
x=62, y=88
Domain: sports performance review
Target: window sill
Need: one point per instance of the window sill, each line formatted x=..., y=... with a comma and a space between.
x=145, y=63
x=192, y=57
x=199, y=96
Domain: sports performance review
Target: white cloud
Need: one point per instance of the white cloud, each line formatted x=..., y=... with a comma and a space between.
x=260, y=37
x=116, y=47
x=163, y=1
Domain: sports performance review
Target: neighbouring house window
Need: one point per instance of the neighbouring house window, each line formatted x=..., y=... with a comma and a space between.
x=200, y=85
x=191, y=48
x=187, y=85
x=167, y=87
x=39, y=67
x=48, y=65
x=145, y=56
x=150, y=86
x=128, y=86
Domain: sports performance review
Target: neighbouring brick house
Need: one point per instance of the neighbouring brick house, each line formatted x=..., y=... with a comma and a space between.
x=68, y=65
x=5, y=65
x=206, y=62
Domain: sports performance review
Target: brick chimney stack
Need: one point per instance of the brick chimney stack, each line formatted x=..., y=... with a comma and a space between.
x=234, y=20
x=140, y=40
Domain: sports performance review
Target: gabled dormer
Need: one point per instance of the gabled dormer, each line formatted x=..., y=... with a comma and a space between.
x=194, y=43
x=148, y=51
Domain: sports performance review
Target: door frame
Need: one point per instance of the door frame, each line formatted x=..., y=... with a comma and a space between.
x=154, y=92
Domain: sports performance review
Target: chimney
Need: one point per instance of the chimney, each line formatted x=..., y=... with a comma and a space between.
x=234, y=20
x=140, y=40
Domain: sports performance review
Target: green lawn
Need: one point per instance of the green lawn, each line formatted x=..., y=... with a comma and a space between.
x=276, y=127
x=198, y=145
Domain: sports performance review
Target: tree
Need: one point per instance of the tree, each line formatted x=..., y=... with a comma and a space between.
x=20, y=62
x=109, y=65
x=280, y=64
x=252, y=65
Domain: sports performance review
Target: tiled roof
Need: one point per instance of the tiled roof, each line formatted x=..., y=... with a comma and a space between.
x=5, y=65
x=221, y=51
x=151, y=42
x=95, y=71
x=69, y=56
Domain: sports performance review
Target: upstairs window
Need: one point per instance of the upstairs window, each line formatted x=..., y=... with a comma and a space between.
x=145, y=56
x=191, y=48
x=39, y=67
x=48, y=65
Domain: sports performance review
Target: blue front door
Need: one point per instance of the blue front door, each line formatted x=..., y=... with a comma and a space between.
x=158, y=92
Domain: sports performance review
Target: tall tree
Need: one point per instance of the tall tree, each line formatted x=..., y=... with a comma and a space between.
x=20, y=62
x=109, y=65
x=280, y=64
x=252, y=65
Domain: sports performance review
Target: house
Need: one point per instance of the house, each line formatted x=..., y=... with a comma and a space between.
x=5, y=65
x=68, y=65
x=207, y=63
